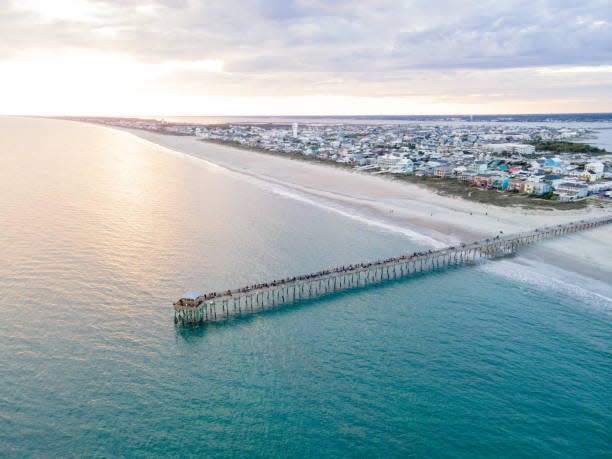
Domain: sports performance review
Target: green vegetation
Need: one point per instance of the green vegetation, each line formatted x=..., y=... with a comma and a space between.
x=454, y=188
x=567, y=147
x=548, y=195
x=294, y=155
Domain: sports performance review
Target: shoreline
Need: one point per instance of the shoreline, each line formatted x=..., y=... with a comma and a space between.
x=418, y=213
x=444, y=187
x=293, y=174
x=449, y=187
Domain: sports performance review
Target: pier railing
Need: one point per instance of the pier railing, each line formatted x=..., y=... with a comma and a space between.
x=250, y=299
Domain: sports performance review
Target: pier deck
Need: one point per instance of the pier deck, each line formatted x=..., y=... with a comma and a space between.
x=254, y=298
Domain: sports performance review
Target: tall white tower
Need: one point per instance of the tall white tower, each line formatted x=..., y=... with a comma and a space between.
x=295, y=129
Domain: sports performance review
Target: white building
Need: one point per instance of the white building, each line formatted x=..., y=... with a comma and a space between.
x=597, y=169
x=481, y=166
x=395, y=164
x=600, y=187
x=202, y=132
x=571, y=191
x=519, y=148
x=294, y=127
x=404, y=166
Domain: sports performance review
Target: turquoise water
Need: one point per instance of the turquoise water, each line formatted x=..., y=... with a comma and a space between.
x=100, y=232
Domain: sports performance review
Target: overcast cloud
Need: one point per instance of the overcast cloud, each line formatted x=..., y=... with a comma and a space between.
x=444, y=49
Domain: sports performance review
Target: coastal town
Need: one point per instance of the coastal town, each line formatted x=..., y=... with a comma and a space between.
x=552, y=163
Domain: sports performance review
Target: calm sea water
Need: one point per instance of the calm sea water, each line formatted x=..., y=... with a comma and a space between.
x=100, y=232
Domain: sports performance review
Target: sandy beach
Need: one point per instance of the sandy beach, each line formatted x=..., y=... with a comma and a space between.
x=414, y=211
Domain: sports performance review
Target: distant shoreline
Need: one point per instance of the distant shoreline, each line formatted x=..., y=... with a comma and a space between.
x=586, y=117
x=444, y=187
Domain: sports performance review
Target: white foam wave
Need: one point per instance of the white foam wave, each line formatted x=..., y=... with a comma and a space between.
x=288, y=191
x=345, y=212
x=548, y=277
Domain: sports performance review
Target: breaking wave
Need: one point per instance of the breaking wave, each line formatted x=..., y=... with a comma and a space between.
x=548, y=277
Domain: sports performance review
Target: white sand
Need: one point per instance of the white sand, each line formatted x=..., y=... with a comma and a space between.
x=406, y=208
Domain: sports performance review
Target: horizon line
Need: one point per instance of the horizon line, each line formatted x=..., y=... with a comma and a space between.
x=385, y=115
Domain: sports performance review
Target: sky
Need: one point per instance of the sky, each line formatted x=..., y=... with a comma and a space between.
x=320, y=57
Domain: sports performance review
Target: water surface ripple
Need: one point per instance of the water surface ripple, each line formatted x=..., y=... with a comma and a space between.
x=100, y=231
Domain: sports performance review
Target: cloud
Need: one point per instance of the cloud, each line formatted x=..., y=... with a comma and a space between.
x=342, y=35
x=526, y=36
x=442, y=49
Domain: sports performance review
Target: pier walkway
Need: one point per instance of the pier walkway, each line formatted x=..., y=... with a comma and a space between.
x=250, y=299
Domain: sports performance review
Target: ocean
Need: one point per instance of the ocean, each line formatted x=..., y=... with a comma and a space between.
x=101, y=231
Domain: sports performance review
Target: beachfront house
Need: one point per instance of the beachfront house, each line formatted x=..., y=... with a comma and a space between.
x=466, y=176
x=395, y=164
x=535, y=185
x=443, y=171
x=554, y=180
x=483, y=180
x=571, y=191
x=500, y=182
x=596, y=188
x=516, y=185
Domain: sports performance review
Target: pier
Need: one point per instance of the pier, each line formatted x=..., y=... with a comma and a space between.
x=216, y=306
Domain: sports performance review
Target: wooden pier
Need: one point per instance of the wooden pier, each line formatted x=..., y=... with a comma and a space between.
x=254, y=298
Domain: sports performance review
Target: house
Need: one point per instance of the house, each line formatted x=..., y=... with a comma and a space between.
x=555, y=165
x=395, y=164
x=483, y=180
x=443, y=171
x=516, y=185
x=595, y=169
x=571, y=191
x=553, y=179
x=537, y=187
x=403, y=166
x=541, y=188
x=600, y=187
x=518, y=148
x=481, y=166
x=500, y=182
x=466, y=176
x=592, y=172
x=588, y=176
